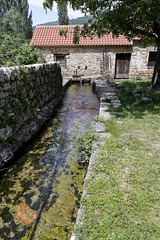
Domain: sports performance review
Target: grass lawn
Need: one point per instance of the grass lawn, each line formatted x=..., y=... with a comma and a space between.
x=123, y=200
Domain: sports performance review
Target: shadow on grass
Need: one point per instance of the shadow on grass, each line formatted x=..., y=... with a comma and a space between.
x=137, y=100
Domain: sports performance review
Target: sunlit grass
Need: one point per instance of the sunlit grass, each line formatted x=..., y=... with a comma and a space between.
x=123, y=200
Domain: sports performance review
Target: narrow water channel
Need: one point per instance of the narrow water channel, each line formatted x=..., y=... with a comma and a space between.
x=40, y=193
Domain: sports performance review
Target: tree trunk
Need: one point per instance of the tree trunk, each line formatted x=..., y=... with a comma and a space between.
x=155, y=83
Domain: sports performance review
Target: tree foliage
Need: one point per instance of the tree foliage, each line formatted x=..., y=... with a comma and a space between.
x=127, y=16
x=16, y=51
x=5, y=6
x=140, y=18
x=63, y=18
x=13, y=23
x=75, y=21
x=17, y=7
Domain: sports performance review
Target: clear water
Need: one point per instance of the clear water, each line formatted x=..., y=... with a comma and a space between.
x=47, y=178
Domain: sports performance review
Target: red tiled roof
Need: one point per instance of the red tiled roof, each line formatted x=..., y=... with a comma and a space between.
x=49, y=36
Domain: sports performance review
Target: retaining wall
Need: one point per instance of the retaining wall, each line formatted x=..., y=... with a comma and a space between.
x=28, y=97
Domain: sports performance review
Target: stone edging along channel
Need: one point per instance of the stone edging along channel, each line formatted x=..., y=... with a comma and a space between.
x=107, y=96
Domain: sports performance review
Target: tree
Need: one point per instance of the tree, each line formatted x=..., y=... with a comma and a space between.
x=139, y=18
x=23, y=8
x=13, y=23
x=5, y=5
x=29, y=31
x=16, y=51
x=63, y=18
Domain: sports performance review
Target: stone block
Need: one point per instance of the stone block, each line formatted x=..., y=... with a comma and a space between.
x=13, y=74
x=6, y=132
x=10, y=73
x=38, y=81
x=34, y=103
x=2, y=95
x=6, y=154
x=1, y=75
x=25, y=117
x=20, y=121
x=30, y=70
x=13, y=85
x=46, y=79
x=104, y=104
x=42, y=80
x=7, y=86
x=33, y=127
x=38, y=73
x=100, y=127
x=6, y=78
x=23, y=134
x=16, y=144
x=105, y=115
x=31, y=85
x=45, y=112
x=31, y=95
x=2, y=103
x=24, y=92
x=32, y=77
x=116, y=105
x=1, y=112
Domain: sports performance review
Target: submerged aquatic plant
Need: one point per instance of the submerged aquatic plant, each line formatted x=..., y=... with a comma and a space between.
x=84, y=143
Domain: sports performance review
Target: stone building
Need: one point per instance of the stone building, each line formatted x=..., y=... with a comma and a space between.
x=108, y=56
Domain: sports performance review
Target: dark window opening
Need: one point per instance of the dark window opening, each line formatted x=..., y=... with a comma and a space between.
x=60, y=59
x=79, y=67
x=85, y=67
x=152, y=59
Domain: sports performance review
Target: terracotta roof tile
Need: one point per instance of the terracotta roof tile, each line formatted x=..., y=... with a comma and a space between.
x=49, y=36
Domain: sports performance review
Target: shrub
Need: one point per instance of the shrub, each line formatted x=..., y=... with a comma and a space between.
x=84, y=142
x=16, y=51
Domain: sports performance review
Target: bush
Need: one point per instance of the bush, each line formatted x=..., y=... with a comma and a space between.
x=16, y=51
x=84, y=142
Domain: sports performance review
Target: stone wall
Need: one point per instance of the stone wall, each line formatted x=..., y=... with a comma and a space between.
x=28, y=97
x=101, y=60
x=87, y=61
x=139, y=61
x=79, y=60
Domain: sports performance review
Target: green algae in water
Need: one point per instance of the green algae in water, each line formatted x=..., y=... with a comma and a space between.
x=48, y=178
x=64, y=211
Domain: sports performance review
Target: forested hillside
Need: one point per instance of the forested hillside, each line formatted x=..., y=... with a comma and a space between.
x=76, y=21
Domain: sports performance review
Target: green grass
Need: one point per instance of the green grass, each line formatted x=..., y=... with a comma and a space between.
x=123, y=200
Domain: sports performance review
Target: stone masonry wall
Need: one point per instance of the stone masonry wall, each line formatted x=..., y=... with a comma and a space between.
x=88, y=60
x=101, y=60
x=28, y=97
x=139, y=61
x=81, y=60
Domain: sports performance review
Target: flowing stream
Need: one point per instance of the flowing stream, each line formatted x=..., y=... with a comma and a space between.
x=40, y=192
